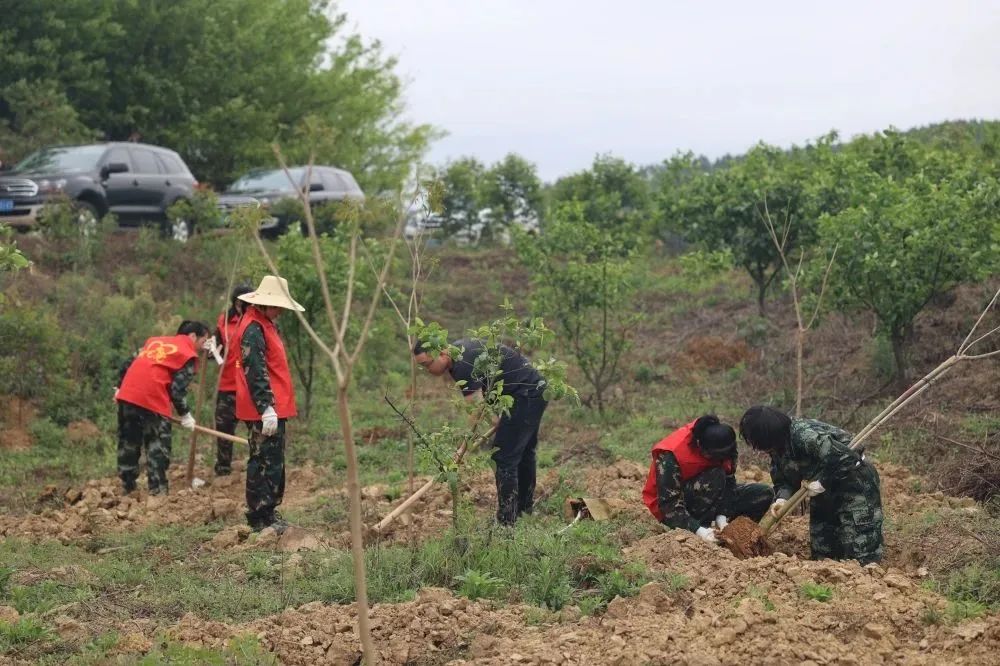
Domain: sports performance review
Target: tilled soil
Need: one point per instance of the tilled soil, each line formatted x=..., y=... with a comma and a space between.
x=712, y=608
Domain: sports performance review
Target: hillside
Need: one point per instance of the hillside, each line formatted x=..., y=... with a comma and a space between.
x=91, y=576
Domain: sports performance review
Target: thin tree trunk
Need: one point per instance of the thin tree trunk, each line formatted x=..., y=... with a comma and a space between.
x=899, y=357
x=800, y=340
x=357, y=542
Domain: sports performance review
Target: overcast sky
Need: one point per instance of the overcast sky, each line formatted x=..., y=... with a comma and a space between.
x=560, y=81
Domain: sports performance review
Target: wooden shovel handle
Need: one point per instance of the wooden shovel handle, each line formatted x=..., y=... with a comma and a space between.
x=215, y=433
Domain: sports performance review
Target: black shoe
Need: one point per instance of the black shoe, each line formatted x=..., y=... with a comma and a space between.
x=158, y=491
x=223, y=471
x=128, y=487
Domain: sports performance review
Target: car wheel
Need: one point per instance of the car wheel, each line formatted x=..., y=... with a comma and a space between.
x=180, y=230
x=86, y=218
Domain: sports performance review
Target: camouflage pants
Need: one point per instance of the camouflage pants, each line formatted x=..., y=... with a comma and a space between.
x=142, y=430
x=225, y=421
x=265, y=474
x=845, y=522
x=706, y=496
x=516, y=442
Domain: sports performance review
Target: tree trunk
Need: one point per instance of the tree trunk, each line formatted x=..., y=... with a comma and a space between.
x=761, y=294
x=800, y=340
x=898, y=341
x=357, y=537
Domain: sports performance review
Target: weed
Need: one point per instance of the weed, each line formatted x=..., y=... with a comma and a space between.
x=25, y=631
x=932, y=616
x=760, y=595
x=816, y=591
x=958, y=611
x=476, y=585
x=549, y=586
x=535, y=617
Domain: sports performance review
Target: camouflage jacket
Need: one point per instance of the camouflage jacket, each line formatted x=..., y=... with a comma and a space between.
x=253, y=351
x=670, y=493
x=817, y=452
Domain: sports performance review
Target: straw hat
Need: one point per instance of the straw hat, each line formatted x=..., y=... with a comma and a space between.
x=272, y=291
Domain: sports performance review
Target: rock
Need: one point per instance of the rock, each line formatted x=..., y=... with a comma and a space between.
x=971, y=631
x=267, y=537
x=229, y=537
x=306, y=640
x=876, y=631
x=91, y=496
x=73, y=495
x=897, y=581
x=568, y=614
x=9, y=614
x=617, y=608
x=295, y=539
x=654, y=594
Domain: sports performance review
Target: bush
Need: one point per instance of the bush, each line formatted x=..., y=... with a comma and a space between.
x=201, y=211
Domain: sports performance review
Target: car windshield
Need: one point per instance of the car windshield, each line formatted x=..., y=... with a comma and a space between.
x=267, y=181
x=70, y=159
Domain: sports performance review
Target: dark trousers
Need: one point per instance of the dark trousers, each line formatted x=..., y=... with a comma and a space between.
x=142, y=430
x=707, y=496
x=845, y=522
x=265, y=474
x=225, y=421
x=516, y=442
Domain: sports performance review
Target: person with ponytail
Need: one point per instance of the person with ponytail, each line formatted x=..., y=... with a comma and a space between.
x=692, y=484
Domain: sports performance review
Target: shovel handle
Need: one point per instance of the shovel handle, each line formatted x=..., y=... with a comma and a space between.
x=216, y=433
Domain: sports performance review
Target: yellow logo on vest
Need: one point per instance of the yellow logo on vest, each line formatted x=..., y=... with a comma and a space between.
x=157, y=351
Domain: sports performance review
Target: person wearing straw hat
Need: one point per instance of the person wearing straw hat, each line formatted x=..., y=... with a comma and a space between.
x=265, y=398
x=845, y=510
x=152, y=383
x=222, y=346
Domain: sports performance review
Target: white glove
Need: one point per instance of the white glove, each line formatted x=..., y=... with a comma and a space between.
x=187, y=421
x=721, y=522
x=116, y=394
x=776, y=507
x=814, y=488
x=212, y=347
x=269, y=424
x=707, y=534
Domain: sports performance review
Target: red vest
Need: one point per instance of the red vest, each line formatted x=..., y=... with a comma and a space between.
x=277, y=370
x=229, y=329
x=691, y=461
x=147, y=381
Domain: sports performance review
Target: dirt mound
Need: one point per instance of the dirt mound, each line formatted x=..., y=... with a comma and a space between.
x=100, y=506
x=711, y=352
x=80, y=432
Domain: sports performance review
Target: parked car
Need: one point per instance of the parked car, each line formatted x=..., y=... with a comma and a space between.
x=272, y=189
x=134, y=181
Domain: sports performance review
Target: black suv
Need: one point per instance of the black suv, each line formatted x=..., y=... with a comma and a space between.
x=134, y=181
x=271, y=189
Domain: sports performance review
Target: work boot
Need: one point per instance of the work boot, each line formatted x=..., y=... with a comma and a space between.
x=223, y=471
x=158, y=490
x=128, y=487
x=279, y=523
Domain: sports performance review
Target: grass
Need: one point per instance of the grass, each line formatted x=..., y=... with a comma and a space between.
x=816, y=591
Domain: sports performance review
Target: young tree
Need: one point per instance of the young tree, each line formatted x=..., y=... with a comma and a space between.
x=512, y=191
x=583, y=276
x=909, y=238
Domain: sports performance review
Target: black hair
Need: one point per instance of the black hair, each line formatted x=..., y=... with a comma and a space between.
x=766, y=429
x=234, y=299
x=715, y=439
x=419, y=348
x=187, y=326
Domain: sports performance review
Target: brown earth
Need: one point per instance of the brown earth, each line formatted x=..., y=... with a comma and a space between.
x=715, y=609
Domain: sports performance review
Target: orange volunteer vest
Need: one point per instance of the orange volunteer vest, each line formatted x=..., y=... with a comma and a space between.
x=691, y=461
x=277, y=369
x=147, y=381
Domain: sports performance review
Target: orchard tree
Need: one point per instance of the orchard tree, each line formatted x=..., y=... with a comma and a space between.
x=909, y=238
x=460, y=200
x=583, y=278
x=725, y=209
x=613, y=193
x=512, y=191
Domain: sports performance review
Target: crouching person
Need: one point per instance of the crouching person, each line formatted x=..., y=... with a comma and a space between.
x=155, y=380
x=692, y=481
x=845, y=510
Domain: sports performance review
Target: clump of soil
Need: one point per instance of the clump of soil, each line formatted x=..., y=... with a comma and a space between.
x=743, y=537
